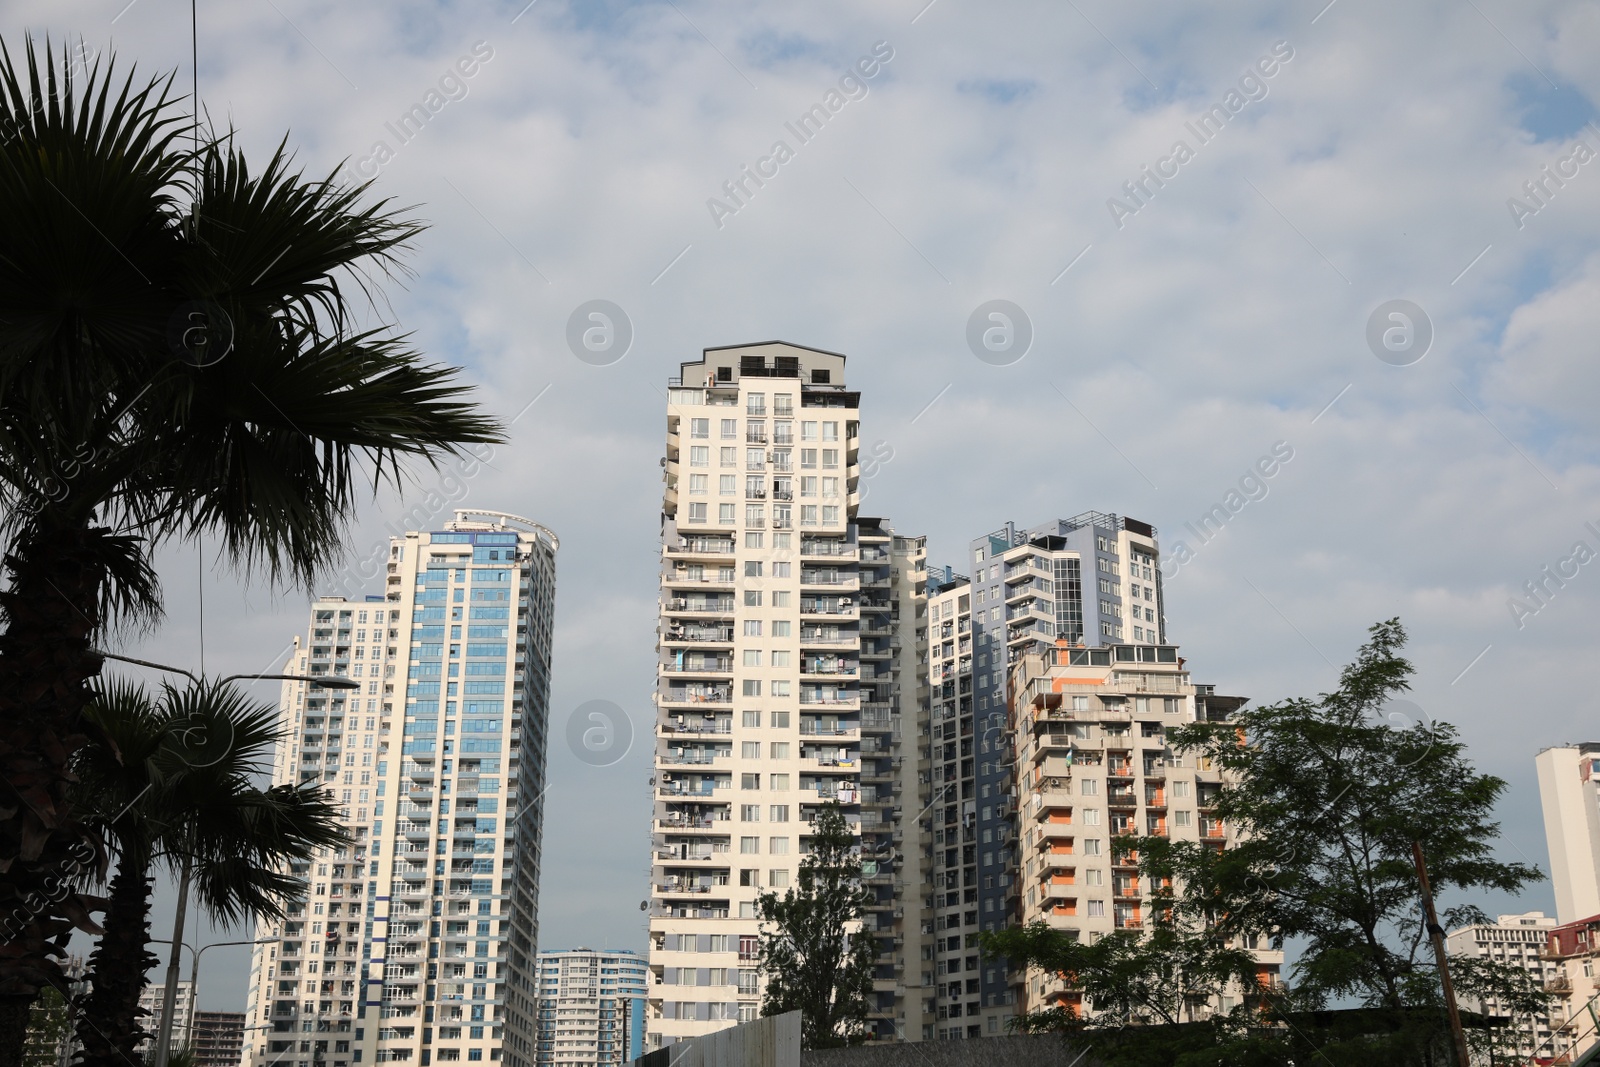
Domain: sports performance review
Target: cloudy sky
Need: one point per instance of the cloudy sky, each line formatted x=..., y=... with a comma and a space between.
x=1180, y=328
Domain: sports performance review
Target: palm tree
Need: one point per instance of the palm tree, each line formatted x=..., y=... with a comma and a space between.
x=179, y=357
x=170, y=782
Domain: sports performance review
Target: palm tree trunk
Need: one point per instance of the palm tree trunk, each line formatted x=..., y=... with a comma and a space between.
x=52, y=610
x=108, y=1024
x=169, y=1000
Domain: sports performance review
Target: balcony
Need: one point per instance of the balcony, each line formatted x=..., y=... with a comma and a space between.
x=700, y=605
x=702, y=546
x=702, y=694
x=700, y=666
x=698, y=635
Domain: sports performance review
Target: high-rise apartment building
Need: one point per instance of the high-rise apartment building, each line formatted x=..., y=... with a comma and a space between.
x=1517, y=941
x=416, y=941
x=591, y=1007
x=152, y=1000
x=1093, y=763
x=788, y=678
x=1569, y=793
x=1093, y=579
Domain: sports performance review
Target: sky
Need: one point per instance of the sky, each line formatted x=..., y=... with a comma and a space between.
x=1182, y=298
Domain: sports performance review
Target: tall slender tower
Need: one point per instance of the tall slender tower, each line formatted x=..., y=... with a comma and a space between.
x=788, y=646
x=416, y=942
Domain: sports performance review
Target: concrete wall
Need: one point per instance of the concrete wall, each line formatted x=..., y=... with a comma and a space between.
x=769, y=1042
x=1045, y=1050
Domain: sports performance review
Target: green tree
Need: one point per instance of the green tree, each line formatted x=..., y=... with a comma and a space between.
x=129, y=263
x=50, y=1026
x=171, y=783
x=1328, y=796
x=814, y=954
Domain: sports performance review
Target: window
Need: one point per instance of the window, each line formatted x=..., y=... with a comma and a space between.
x=725, y=515
x=777, y=783
x=752, y=598
x=750, y=749
x=755, y=459
x=1180, y=790
x=698, y=484
x=808, y=486
x=699, y=456
x=752, y=720
x=750, y=781
x=1183, y=818
x=830, y=459
x=749, y=845
x=755, y=403
x=781, y=569
x=808, y=431
x=752, y=539
x=780, y=719
x=1097, y=909
x=808, y=459
x=1092, y=877
x=752, y=687
x=808, y=514
x=752, y=657
x=780, y=627
x=728, y=456
x=830, y=515
x=779, y=813
x=830, y=488
x=780, y=688
x=780, y=657
x=727, y=484
x=780, y=598
x=749, y=877
x=780, y=750
x=730, y=429
x=752, y=568
x=830, y=431
x=700, y=428
x=697, y=511
x=752, y=627
x=778, y=879
x=749, y=812
x=778, y=846
x=1091, y=847
x=754, y=515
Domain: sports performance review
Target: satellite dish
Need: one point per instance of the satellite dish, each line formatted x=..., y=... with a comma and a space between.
x=644, y=905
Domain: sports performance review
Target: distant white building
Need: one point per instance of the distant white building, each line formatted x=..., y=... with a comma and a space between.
x=1569, y=792
x=150, y=1002
x=591, y=1007
x=1517, y=940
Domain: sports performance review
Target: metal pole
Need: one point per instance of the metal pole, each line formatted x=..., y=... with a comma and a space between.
x=1436, y=935
x=194, y=977
x=169, y=999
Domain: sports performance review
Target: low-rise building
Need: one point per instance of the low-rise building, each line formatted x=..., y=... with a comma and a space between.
x=218, y=1038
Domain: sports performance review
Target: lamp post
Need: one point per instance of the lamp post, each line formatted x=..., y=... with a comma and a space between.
x=170, y=997
x=194, y=976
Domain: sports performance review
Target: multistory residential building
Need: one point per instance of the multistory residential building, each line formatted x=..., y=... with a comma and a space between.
x=788, y=678
x=1574, y=948
x=52, y=1038
x=1517, y=941
x=590, y=1007
x=1093, y=763
x=415, y=942
x=1093, y=579
x=218, y=1038
x=152, y=1001
x=1569, y=792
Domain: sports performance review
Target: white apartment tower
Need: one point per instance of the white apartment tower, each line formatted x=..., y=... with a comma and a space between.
x=1518, y=941
x=591, y=1007
x=1569, y=793
x=416, y=942
x=789, y=647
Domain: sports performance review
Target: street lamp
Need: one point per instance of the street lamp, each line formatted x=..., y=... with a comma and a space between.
x=170, y=996
x=332, y=681
x=194, y=977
